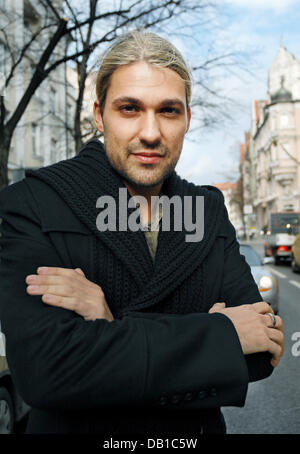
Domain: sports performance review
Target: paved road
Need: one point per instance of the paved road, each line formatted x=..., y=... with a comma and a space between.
x=273, y=404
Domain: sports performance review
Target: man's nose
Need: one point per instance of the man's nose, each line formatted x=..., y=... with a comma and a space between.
x=150, y=129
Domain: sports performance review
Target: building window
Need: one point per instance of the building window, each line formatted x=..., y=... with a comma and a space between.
x=41, y=139
x=273, y=122
x=53, y=156
x=34, y=138
x=36, y=144
x=32, y=69
x=69, y=114
x=52, y=100
x=274, y=153
x=284, y=121
x=282, y=153
x=17, y=175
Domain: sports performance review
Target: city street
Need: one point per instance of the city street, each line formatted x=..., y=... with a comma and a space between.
x=273, y=404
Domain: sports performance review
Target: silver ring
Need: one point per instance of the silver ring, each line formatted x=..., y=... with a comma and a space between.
x=273, y=319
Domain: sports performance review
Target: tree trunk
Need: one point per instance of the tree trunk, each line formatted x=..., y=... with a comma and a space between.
x=5, y=141
x=7, y=129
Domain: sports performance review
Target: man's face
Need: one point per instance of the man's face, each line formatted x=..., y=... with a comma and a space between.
x=144, y=122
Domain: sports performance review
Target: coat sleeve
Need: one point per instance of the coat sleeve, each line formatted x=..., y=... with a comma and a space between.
x=239, y=287
x=60, y=361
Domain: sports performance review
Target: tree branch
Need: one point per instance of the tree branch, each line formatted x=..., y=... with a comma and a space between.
x=39, y=75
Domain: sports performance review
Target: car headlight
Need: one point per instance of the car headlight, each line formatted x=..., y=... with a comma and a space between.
x=265, y=283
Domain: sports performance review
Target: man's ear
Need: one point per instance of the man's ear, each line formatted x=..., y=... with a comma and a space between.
x=98, y=117
x=189, y=114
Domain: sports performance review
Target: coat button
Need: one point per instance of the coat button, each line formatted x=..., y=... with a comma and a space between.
x=201, y=394
x=176, y=399
x=163, y=401
x=188, y=396
x=213, y=392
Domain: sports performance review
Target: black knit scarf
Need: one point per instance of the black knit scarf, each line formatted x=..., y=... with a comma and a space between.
x=175, y=281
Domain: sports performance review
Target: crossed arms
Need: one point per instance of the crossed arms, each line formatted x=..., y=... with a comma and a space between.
x=71, y=290
x=64, y=355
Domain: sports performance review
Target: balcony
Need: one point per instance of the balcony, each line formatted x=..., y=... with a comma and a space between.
x=285, y=178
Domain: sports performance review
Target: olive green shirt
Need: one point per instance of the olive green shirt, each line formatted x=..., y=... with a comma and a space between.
x=151, y=233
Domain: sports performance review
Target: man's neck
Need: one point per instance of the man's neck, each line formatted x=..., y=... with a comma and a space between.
x=147, y=193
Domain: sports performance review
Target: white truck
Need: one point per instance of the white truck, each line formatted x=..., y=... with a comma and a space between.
x=283, y=229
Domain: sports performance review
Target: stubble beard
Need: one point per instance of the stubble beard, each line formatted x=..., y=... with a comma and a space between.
x=142, y=182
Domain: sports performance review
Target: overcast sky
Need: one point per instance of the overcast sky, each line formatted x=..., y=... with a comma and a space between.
x=257, y=26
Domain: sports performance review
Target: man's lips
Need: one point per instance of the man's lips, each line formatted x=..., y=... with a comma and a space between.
x=148, y=157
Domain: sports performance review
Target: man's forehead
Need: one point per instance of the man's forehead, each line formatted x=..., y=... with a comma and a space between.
x=141, y=79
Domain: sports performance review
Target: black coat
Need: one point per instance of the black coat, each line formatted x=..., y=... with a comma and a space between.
x=146, y=372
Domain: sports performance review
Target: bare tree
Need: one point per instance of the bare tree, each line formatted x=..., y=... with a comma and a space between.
x=78, y=31
x=79, y=27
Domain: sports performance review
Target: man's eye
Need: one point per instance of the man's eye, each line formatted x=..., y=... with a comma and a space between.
x=170, y=110
x=129, y=109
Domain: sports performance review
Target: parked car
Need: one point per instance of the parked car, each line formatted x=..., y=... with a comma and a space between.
x=12, y=408
x=266, y=281
x=295, y=263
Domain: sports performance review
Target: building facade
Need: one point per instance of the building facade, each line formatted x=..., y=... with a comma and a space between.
x=41, y=136
x=273, y=159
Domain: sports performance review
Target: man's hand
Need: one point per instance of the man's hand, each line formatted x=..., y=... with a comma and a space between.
x=254, y=328
x=68, y=288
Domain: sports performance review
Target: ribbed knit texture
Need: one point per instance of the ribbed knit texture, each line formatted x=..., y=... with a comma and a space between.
x=121, y=261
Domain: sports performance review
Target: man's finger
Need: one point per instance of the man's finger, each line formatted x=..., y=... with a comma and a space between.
x=37, y=279
x=262, y=307
x=269, y=321
x=276, y=350
x=278, y=337
x=59, y=301
x=58, y=290
x=56, y=271
x=276, y=346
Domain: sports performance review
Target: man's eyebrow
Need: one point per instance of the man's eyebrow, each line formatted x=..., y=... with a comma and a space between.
x=165, y=103
x=172, y=102
x=128, y=99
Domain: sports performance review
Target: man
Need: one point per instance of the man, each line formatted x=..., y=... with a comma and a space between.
x=111, y=330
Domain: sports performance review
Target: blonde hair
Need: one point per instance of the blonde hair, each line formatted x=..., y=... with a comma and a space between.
x=140, y=46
